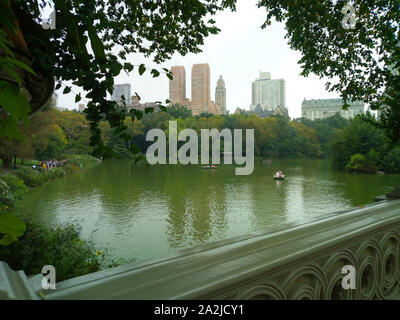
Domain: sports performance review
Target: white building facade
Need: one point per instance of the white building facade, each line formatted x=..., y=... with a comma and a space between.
x=122, y=90
x=325, y=108
x=268, y=93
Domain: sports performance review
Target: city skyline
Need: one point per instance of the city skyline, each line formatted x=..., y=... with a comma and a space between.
x=200, y=101
x=238, y=52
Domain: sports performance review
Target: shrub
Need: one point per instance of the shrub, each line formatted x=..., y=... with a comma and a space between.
x=6, y=196
x=363, y=164
x=16, y=185
x=32, y=178
x=391, y=161
x=356, y=163
x=60, y=247
x=71, y=168
x=54, y=173
x=395, y=194
x=80, y=160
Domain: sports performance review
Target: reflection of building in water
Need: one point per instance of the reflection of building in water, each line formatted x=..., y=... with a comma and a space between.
x=325, y=108
x=294, y=199
x=195, y=216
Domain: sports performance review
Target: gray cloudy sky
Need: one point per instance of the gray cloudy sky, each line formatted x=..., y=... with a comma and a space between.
x=238, y=53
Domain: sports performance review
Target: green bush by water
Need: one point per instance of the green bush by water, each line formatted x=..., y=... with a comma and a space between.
x=391, y=161
x=394, y=194
x=15, y=184
x=60, y=247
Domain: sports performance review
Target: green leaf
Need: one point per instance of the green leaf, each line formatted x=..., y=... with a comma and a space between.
x=142, y=69
x=11, y=228
x=97, y=45
x=24, y=66
x=13, y=73
x=13, y=101
x=9, y=128
x=67, y=90
x=78, y=98
x=155, y=73
x=116, y=68
x=128, y=66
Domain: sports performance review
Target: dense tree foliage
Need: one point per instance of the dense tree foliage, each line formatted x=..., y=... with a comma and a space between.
x=177, y=111
x=92, y=42
x=360, y=138
x=360, y=63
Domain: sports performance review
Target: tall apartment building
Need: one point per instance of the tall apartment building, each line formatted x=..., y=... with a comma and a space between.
x=201, y=85
x=220, y=94
x=122, y=90
x=177, y=86
x=325, y=108
x=268, y=93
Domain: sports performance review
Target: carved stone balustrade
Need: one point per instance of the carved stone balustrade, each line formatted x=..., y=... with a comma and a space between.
x=293, y=262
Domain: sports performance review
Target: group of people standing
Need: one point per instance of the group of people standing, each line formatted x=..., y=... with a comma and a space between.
x=50, y=164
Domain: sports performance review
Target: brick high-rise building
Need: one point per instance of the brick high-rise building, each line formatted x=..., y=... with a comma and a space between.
x=177, y=86
x=220, y=95
x=201, y=85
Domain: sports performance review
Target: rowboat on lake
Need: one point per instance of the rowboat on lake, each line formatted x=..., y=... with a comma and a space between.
x=211, y=166
x=279, y=176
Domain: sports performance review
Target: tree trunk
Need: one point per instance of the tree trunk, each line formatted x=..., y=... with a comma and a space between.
x=7, y=161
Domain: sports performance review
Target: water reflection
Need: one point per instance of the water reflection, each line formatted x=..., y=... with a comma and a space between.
x=150, y=212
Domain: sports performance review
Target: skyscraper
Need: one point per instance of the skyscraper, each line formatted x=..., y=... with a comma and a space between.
x=268, y=93
x=220, y=94
x=201, y=85
x=177, y=86
x=122, y=90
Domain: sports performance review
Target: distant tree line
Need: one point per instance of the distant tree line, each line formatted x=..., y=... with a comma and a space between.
x=353, y=145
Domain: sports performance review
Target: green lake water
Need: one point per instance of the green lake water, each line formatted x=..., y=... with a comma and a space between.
x=151, y=212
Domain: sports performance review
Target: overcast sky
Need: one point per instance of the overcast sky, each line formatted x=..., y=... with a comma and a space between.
x=239, y=52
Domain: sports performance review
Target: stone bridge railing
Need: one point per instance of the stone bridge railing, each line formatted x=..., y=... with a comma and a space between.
x=297, y=262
